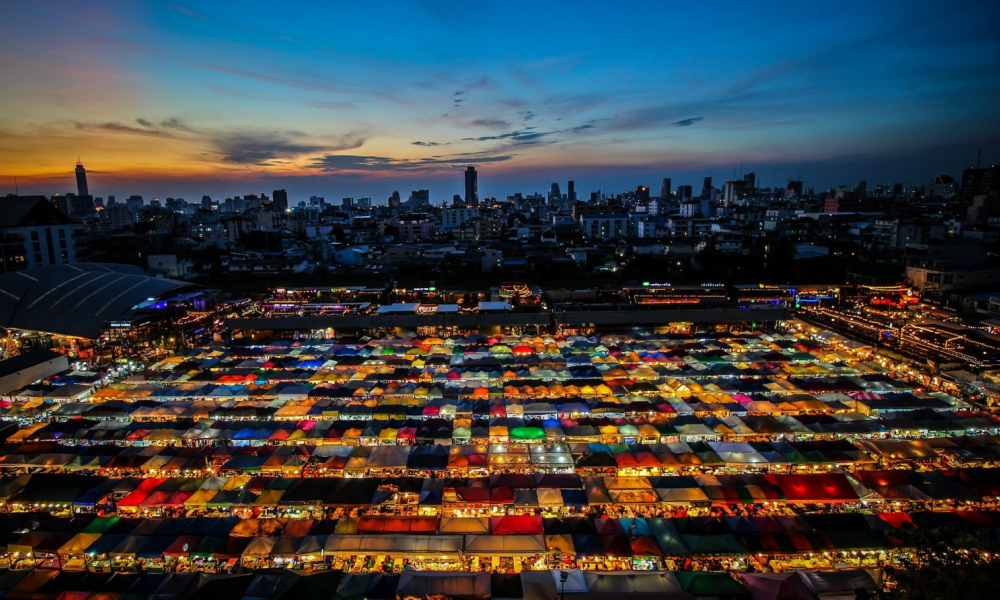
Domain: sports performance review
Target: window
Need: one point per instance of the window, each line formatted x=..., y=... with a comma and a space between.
x=62, y=234
x=34, y=236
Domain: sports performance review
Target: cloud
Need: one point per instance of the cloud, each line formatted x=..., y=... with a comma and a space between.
x=115, y=127
x=351, y=162
x=305, y=81
x=333, y=104
x=262, y=148
x=582, y=127
x=687, y=122
x=419, y=143
x=520, y=135
x=491, y=123
x=175, y=123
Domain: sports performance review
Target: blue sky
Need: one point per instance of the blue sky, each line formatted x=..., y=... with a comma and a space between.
x=360, y=99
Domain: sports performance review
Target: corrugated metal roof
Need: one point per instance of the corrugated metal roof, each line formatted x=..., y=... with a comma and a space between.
x=75, y=299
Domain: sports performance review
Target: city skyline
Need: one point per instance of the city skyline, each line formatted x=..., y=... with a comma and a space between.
x=176, y=101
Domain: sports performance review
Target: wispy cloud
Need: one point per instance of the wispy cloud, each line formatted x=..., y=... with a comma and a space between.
x=310, y=81
x=351, y=162
x=146, y=128
x=520, y=135
x=687, y=122
x=491, y=123
x=262, y=148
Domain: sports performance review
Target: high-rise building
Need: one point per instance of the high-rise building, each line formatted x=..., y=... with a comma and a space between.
x=280, y=199
x=471, y=186
x=641, y=193
x=394, y=199
x=81, y=180
x=555, y=195
x=571, y=191
x=419, y=197
x=665, y=189
x=979, y=182
x=794, y=188
x=862, y=189
x=706, y=189
x=734, y=191
x=684, y=192
x=80, y=206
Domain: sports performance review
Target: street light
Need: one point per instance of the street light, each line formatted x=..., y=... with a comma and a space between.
x=563, y=576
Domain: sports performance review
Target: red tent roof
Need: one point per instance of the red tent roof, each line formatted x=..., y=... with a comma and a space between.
x=516, y=524
x=811, y=488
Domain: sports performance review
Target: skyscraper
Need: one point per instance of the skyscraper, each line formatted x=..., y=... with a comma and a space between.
x=665, y=189
x=571, y=191
x=280, y=199
x=555, y=196
x=641, y=193
x=81, y=180
x=706, y=189
x=471, y=186
x=977, y=182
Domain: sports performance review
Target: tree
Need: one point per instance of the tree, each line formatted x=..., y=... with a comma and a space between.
x=948, y=562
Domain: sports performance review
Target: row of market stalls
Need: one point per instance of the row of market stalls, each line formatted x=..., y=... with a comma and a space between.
x=435, y=367
x=552, y=495
x=457, y=460
x=501, y=544
x=437, y=430
x=439, y=460
x=455, y=401
x=578, y=585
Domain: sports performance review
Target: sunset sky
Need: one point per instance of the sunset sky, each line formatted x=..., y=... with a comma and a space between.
x=360, y=99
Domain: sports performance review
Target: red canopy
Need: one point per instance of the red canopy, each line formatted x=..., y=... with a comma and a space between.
x=182, y=546
x=815, y=488
x=516, y=524
x=645, y=545
x=394, y=524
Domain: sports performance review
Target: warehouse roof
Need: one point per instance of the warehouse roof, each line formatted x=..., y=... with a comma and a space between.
x=76, y=299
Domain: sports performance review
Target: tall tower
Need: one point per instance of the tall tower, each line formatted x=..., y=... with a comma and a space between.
x=81, y=180
x=665, y=189
x=280, y=199
x=471, y=187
